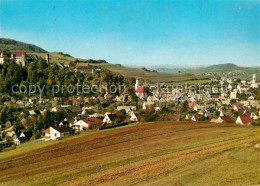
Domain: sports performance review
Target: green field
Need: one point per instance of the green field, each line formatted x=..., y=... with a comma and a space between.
x=130, y=72
x=142, y=154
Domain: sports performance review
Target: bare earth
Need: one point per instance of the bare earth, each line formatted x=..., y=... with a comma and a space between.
x=155, y=153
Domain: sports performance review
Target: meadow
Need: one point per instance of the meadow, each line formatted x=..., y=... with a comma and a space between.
x=150, y=154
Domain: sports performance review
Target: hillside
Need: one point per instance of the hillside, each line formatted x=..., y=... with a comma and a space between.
x=228, y=67
x=124, y=70
x=160, y=153
x=9, y=44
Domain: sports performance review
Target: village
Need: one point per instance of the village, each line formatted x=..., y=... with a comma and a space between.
x=224, y=100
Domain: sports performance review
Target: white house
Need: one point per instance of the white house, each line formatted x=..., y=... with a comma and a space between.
x=16, y=140
x=133, y=118
x=109, y=118
x=52, y=133
x=243, y=119
x=233, y=95
x=80, y=125
x=195, y=117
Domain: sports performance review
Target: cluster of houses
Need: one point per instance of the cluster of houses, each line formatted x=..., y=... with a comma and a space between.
x=214, y=103
x=95, y=121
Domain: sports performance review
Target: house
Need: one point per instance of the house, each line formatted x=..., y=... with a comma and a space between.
x=195, y=117
x=52, y=133
x=109, y=118
x=19, y=57
x=126, y=108
x=25, y=136
x=188, y=116
x=233, y=95
x=133, y=117
x=216, y=121
x=251, y=113
x=141, y=92
x=83, y=67
x=237, y=107
x=243, y=81
x=93, y=123
x=81, y=125
x=225, y=119
x=67, y=64
x=244, y=119
x=8, y=124
x=16, y=140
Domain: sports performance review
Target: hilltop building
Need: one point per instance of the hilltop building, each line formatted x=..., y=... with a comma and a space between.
x=19, y=57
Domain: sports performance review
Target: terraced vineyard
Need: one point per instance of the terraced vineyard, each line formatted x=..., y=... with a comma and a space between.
x=155, y=153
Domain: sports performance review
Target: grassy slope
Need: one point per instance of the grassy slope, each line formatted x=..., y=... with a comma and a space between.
x=156, y=153
x=130, y=72
x=152, y=76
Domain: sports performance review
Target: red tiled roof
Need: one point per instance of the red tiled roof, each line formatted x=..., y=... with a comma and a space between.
x=192, y=105
x=62, y=129
x=65, y=99
x=226, y=119
x=94, y=121
x=239, y=107
x=245, y=119
x=140, y=89
x=197, y=117
x=18, y=53
x=47, y=130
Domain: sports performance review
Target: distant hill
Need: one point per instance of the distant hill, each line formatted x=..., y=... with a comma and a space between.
x=9, y=44
x=228, y=67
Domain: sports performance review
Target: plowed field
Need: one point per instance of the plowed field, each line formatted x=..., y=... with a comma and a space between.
x=155, y=153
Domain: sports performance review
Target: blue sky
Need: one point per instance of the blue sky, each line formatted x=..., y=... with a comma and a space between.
x=139, y=32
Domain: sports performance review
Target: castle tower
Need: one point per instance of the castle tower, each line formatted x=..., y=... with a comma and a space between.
x=136, y=83
x=47, y=57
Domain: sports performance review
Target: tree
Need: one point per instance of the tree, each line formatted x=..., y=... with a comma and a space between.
x=184, y=106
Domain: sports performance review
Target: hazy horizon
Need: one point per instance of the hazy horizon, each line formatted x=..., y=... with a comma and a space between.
x=139, y=33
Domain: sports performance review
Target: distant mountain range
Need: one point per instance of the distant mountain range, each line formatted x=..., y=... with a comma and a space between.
x=9, y=44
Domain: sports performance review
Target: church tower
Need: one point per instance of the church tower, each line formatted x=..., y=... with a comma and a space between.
x=254, y=84
x=254, y=79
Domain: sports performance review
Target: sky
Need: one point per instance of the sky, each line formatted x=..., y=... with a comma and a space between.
x=139, y=32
